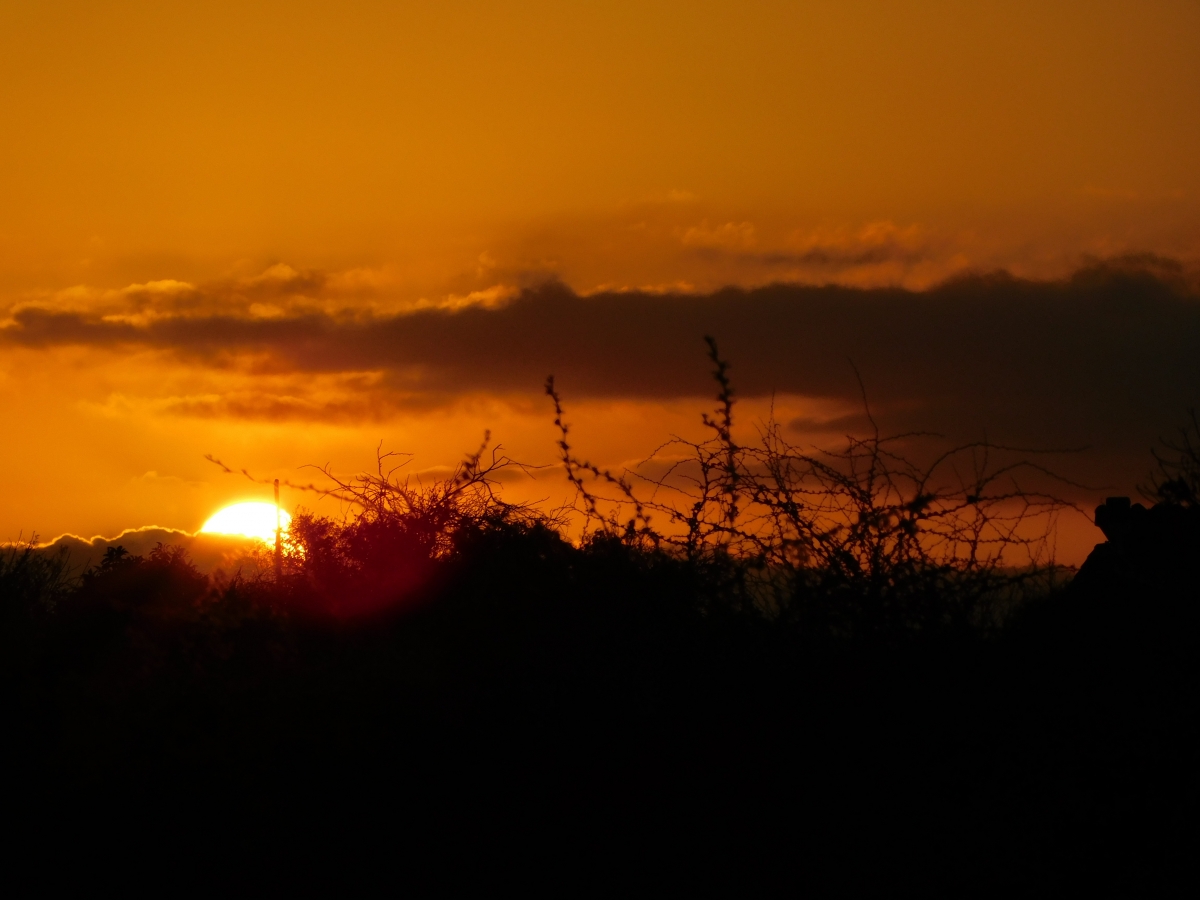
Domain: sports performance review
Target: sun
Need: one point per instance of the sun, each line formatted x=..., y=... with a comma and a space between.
x=254, y=520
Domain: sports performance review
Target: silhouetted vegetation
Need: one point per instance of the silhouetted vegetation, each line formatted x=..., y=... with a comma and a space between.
x=760, y=663
x=1176, y=479
x=861, y=539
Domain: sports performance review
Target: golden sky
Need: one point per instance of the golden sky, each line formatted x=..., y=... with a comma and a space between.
x=211, y=214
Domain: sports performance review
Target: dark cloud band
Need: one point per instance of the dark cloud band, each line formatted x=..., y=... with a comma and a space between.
x=1111, y=354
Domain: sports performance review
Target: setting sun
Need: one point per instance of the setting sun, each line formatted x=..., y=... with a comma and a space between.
x=255, y=519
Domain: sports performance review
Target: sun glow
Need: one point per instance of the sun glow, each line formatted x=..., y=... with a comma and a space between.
x=255, y=520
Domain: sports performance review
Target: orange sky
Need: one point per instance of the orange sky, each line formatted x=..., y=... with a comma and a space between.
x=264, y=161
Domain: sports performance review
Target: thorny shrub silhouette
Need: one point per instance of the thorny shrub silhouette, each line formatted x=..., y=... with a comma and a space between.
x=864, y=538
x=398, y=532
x=1176, y=479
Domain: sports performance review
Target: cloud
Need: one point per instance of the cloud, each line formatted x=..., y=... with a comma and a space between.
x=828, y=248
x=874, y=243
x=848, y=423
x=280, y=291
x=344, y=397
x=732, y=236
x=369, y=405
x=1110, y=355
x=209, y=552
x=876, y=254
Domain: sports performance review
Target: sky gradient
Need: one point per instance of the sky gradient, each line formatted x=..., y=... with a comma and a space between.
x=282, y=233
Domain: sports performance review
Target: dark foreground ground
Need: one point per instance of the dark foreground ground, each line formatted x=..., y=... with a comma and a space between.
x=550, y=720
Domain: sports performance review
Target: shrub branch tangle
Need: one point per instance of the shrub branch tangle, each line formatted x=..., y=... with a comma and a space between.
x=400, y=526
x=32, y=580
x=1176, y=479
x=860, y=538
x=395, y=530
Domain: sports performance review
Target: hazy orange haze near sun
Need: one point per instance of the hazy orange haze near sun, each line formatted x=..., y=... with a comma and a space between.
x=207, y=210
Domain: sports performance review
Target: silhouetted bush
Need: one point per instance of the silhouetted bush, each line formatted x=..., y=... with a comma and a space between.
x=1176, y=479
x=723, y=677
x=32, y=581
x=1145, y=578
x=863, y=539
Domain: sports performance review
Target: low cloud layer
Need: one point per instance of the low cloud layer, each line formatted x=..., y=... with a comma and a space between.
x=1109, y=357
x=208, y=552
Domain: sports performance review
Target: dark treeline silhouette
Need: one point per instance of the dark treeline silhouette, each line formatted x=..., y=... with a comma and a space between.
x=762, y=665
